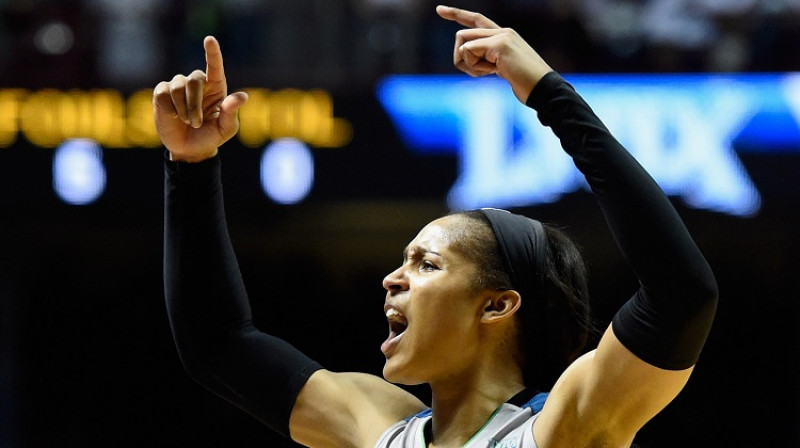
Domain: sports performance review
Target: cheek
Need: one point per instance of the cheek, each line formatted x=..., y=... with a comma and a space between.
x=446, y=324
x=448, y=345
x=444, y=312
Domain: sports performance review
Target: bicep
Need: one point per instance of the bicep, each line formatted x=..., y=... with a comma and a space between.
x=348, y=409
x=608, y=394
x=633, y=390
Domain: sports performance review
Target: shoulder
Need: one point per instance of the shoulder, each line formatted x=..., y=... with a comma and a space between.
x=348, y=409
x=605, y=397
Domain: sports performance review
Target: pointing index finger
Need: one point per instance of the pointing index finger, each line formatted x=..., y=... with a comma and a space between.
x=215, y=72
x=466, y=18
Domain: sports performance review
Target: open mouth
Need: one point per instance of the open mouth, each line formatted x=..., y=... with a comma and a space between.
x=397, y=322
x=397, y=327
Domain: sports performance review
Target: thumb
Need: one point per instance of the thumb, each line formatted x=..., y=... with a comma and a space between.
x=228, y=113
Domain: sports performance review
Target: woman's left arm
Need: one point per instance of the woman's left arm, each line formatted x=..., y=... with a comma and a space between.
x=647, y=354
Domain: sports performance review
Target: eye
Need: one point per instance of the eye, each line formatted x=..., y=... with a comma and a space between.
x=428, y=266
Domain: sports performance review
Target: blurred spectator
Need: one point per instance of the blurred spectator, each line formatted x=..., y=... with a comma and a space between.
x=130, y=41
x=680, y=35
x=41, y=44
x=347, y=45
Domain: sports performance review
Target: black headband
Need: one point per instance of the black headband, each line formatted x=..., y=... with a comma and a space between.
x=521, y=241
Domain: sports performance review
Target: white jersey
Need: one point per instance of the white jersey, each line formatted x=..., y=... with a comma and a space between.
x=509, y=427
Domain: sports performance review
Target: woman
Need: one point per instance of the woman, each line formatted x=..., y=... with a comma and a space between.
x=477, y=343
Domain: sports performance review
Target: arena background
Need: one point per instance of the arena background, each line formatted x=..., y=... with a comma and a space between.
x=86, y=356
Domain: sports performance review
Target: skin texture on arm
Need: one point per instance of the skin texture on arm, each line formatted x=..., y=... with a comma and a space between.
x=606, y=395
x=337, y=410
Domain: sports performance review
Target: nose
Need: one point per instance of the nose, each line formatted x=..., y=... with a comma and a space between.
x=396, y=280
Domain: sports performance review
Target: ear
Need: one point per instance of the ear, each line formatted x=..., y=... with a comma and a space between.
x=500, y=305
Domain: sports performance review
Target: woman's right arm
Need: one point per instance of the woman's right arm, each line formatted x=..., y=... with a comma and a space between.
x=207, y=303
x=208, y=307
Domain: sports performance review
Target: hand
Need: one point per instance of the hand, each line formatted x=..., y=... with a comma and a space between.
x=194, y=114
x=484, y=49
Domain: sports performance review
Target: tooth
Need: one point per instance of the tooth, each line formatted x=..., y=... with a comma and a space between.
x=395, y=315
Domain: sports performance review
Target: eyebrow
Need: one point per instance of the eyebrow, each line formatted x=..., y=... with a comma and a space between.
x=419, y=249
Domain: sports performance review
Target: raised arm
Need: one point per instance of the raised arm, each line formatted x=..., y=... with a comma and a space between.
x=206, y=300
x=646, y=355
x=208, y=307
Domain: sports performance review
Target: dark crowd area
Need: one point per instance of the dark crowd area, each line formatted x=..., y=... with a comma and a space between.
x=346, y=45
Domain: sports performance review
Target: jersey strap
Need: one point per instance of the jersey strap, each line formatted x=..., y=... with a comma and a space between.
x=422, y=414
x=535, y=404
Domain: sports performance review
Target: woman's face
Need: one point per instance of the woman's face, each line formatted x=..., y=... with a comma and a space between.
x=433, y=310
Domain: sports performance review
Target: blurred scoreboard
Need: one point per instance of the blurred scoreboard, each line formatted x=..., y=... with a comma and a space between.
x=467, y=140
x=48, y=117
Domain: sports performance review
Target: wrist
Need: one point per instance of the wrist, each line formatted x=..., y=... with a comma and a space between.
x=192, y=158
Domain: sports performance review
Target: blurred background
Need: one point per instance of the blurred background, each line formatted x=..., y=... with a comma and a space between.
x=334, y=173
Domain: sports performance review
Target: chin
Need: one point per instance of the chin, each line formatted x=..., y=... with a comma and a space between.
x=396, y=373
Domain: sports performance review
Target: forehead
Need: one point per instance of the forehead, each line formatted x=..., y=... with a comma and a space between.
x=439, y=235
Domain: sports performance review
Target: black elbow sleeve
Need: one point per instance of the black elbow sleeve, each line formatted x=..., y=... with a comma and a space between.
x=663, y=333
x=257, y=372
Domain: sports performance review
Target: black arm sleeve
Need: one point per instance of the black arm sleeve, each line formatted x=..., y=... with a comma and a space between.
x=668, y=319
x=209, y=309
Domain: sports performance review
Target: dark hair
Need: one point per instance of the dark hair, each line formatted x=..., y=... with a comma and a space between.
x=562, y=304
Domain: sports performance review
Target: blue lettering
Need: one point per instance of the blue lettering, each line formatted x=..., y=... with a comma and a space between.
x=683, y=129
